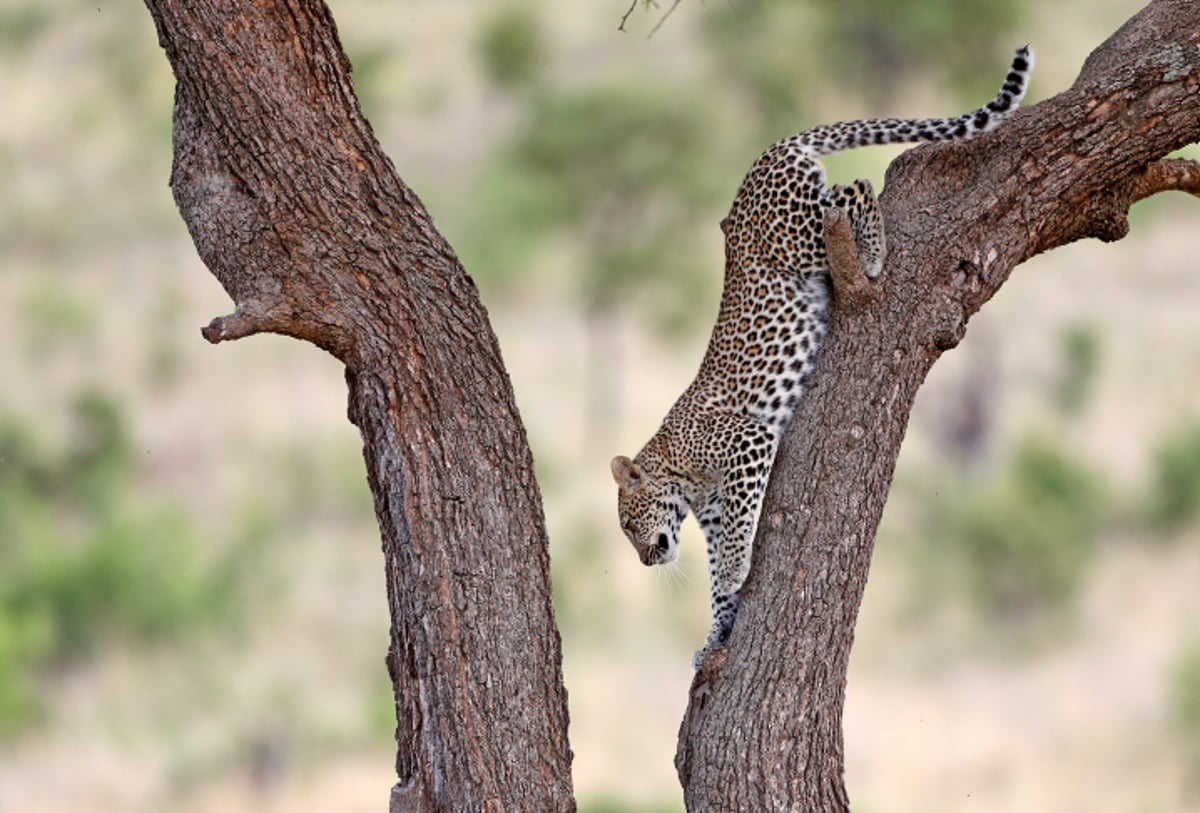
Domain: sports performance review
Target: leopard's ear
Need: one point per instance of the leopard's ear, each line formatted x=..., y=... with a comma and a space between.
x=627, y=473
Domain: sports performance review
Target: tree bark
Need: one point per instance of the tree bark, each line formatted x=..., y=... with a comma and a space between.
x=298, y=213
x=763, y=727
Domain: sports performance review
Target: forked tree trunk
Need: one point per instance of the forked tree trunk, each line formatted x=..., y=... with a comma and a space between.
x=301, y=217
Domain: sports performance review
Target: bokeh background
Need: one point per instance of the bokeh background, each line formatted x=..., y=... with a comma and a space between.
x=192, y=613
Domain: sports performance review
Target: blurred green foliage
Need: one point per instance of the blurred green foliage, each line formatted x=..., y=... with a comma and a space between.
x=512, y=47
x=1174, y=499
x=53, y=317
x=1023, y=539
x=1184, y=694
x=626, y=179
x=877, y=46
x=782, y=60
x=1081, y=354
x=767, y=63
x=22, y=23
x=579, y=597
x=620, y=173
x=86, y=559
x=24, y=640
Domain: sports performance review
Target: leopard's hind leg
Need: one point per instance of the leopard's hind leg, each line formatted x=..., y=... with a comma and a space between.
x=858, y=201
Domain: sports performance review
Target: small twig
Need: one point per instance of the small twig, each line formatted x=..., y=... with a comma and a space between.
x=236, y=325
x=248, y=319
x=632, y=6
x=625, y=16
x=663, y=18
x=648, y=3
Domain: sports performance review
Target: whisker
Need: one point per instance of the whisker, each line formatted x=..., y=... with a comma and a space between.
x=669, y=575
x=680, y=579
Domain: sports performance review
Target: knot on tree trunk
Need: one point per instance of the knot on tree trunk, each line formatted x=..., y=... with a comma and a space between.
x=245, y=321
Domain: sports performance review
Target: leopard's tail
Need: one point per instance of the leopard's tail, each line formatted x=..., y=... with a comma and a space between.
x=847, y=135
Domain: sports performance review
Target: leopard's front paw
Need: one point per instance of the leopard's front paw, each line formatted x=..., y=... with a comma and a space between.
x=714, y=641
x=718, y=638
x=710, y=651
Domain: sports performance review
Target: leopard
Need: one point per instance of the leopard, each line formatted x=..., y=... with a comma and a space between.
x=713, y=453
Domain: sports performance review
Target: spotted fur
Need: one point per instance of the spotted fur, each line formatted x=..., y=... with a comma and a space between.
x=713, y=453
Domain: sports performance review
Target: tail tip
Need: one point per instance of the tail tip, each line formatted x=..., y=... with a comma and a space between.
x=1024, y=58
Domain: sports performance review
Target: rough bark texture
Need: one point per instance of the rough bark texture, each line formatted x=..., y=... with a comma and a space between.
x=763, y=727
x=299, y=214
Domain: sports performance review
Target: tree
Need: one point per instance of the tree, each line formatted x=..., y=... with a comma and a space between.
x=297, y=212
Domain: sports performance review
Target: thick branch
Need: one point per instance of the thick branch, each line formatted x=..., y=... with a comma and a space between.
x=1106, y=217
x=1167, y=175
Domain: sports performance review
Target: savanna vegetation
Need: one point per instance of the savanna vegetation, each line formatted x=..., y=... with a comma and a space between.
x=191, y=608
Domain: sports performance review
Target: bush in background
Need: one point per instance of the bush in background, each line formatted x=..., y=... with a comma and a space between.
x=1021, y=541
x=1174, y=499
x=86, y=559
x=512, y=47
x=1185, y=701
x=1081, y=346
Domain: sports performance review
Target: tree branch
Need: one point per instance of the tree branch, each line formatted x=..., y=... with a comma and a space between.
x=1107, y=218
x=247, y=320
x=625, y=16
x=1167, y=175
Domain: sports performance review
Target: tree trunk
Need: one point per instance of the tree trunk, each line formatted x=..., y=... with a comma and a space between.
x=299, y=214
x=763, y=729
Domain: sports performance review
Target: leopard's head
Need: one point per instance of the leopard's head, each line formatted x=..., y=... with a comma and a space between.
x=650, y=507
